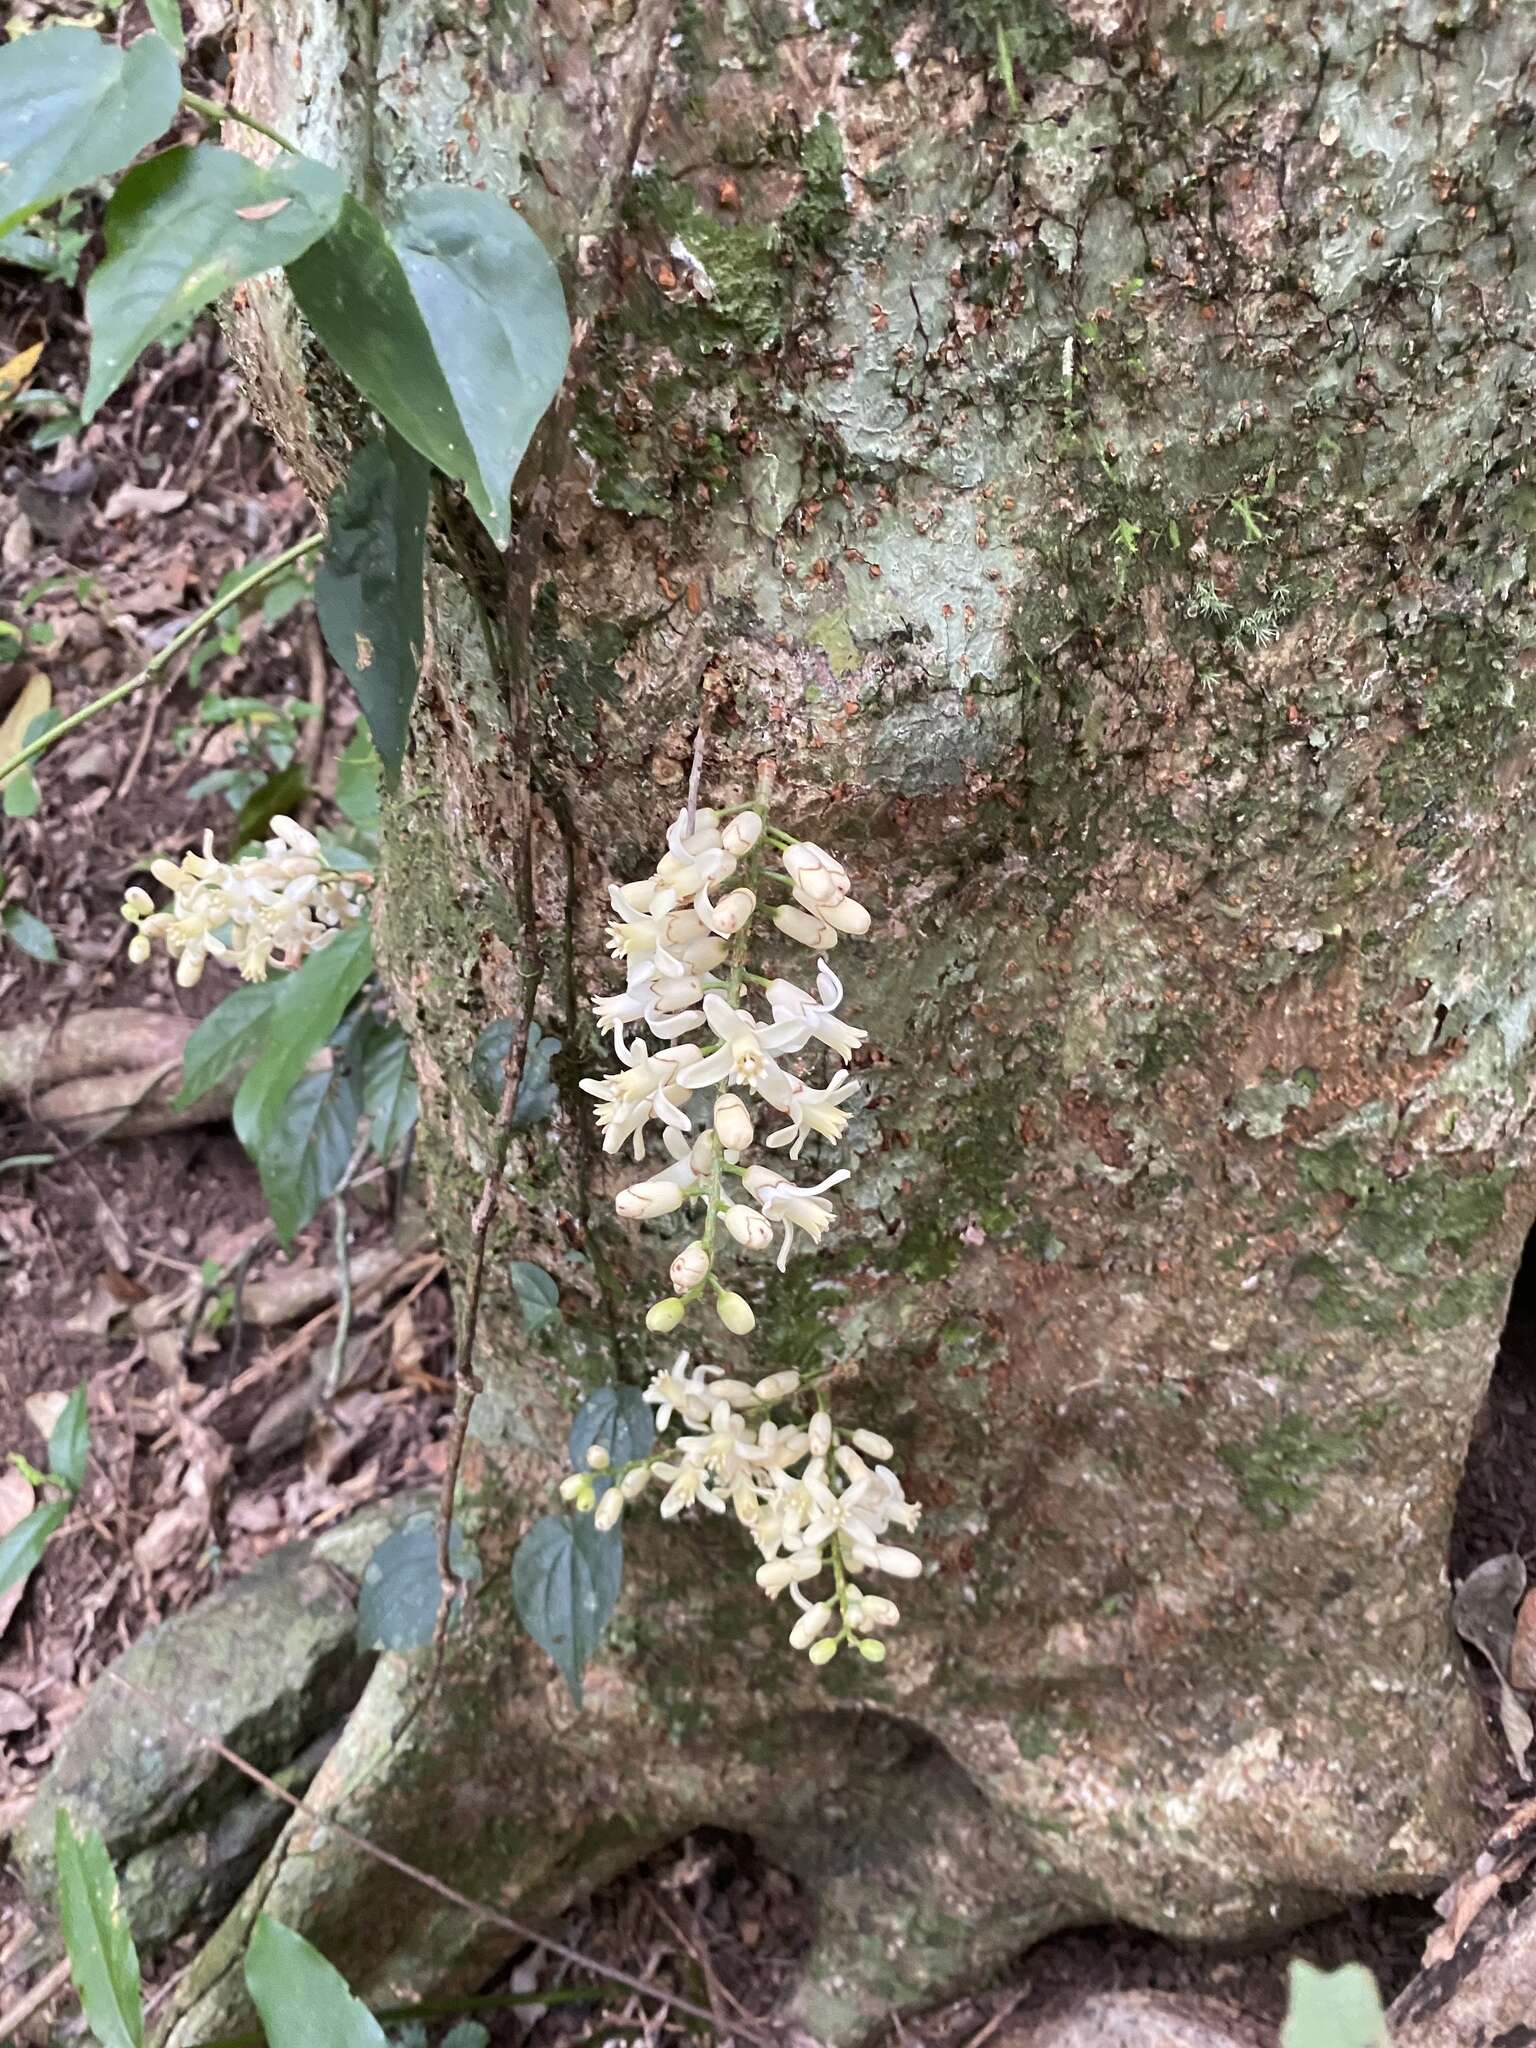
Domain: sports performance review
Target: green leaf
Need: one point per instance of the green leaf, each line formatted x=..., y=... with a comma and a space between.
x=452, y=323
x=166, y=15
x=304, y=1150
x=398, y=1599
x=102, y=1959
x=303, y=2001
x=357, y=782
x=74, y=108
x=389, y=1092
x=71, y=1441
x=22, y=1549
x=30, y=933
x=227, y=1037
x=279, y=796
x=619, y=1420
x=537, y=1295
x=184, y=227
x=368, y=591
x=565, y=1581
x=537, y=1096
x=309, y=1006
x=1333, y=2009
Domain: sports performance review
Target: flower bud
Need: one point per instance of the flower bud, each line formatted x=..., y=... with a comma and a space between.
x=812, y=1623
x=598, y=1458
x=778, y=1386
x=670, y=871
x=680, y=926
x=136, y=904
x=820, y=1433
x=734, y=1393
x=635, y=1481
x=742, y=833
x=875, y=1611
x=689, y=1267
x=847, y=916
x=663, y=1316
x=732, y=912
x=646, y=1199
x=640, y=895
x=672, y=993
x=609, y=1509
x=744, y=1500
x=872, y=1652
x=824, y=1651
x=139, y=949
x=805, y=927
x=815, y=873
x=733, y=1123
x=749, y=1227
x=874, y=1445
x=901, y=1564
x=735, y=1313
x=706, y=954
x=780, y=1572
x=572, y=1485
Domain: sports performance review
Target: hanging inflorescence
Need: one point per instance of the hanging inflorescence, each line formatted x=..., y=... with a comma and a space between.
x=818, y=1500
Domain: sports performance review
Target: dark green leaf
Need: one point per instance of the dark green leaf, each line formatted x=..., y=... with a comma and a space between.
x=452, y=324
x=619, y=1420
x=102, y=1959
x=284, y=595
x=467, y=2034
x=21, y=1549
x=398, y=1600
x=181, y=229
x=368, y=592
x=30, y=933
x=166, y=15
x=278, y=797
x=537, y=1096
x=537, y=1295
x=357, y=782
x=302, y=2000
x=309, y=1006
x=74, y=108
x=227, y=1037
x=305, y=1148
x=71, y=1441
x=389, y=1091
x=565, y=1581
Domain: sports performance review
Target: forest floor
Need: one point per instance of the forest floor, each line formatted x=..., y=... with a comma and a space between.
x=145, y=1265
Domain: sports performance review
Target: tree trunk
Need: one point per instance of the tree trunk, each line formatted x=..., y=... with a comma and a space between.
x=1081, y=449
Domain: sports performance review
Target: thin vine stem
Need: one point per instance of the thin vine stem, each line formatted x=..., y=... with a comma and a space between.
x=211, y=110
x=263, y=573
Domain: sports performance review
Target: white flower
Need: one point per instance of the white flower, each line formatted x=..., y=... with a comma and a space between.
x=661, y=1002
x=790, y=1004
x=796, y=1208
x=687, y=1393
x=663, y=1192
x=818, y=878
x=637, y=936
x=733, y=1123
x=726, y=917
x=648, y=1086
x=745, y=1053
x=750, y=1229
x=283, y=902
x=804, y=926
x=846, y=916
x=815, y=1109
x=793, y=1570
x=727, y=1451
x=687, y=1484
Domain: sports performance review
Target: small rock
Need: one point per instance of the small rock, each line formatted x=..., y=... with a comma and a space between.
x=1136, y=2019
x=16, y=547
x=16, y=1714
x=140, y=501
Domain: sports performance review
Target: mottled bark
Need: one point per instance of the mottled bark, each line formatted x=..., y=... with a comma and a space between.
x=1082, y=448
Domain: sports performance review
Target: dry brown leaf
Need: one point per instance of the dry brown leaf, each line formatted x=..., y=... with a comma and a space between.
x=175, y=1533
x=138, y=501
x=14, y=374
x=1522, y=1655
x=1459, y=1907
x=44, y=1410
x=36, y=698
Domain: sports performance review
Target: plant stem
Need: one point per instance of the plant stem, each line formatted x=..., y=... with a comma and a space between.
x=210, y=110
x=259, y=575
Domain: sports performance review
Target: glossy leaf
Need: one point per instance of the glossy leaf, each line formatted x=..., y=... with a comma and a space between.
x=565, y=1581
x=390, y=1095
x=228, y=1037
x=69, y=1442
x=184, y=227
x=30, y=933
x=368, y=592
x=398, y=1599
x=21, y=1548
x=619, y=1420
x=166, y=16
x=308, y=1008
x=537, y=1096
x=278, y=797
x=74, y=108
x=537, y=1295
x=357, y=782
x=452, y=323
x=302, y=2000
x=305, y=1147
x=102, y=1959
x=1333, y=2009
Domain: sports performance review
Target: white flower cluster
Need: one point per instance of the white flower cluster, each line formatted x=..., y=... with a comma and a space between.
x=807, y=1494
x=282, y=902
x=682, y=935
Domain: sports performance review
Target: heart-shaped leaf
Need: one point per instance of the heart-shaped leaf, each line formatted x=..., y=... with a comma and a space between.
x=368, y=592
x=74, y=108
x=452, y=323
x=181, y=229
x=619, y=1420
x=565, y=1581
x=304, y=1150
x=306, y=1012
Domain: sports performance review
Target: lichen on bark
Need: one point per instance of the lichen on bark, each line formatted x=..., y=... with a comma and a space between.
x=1097, y=486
